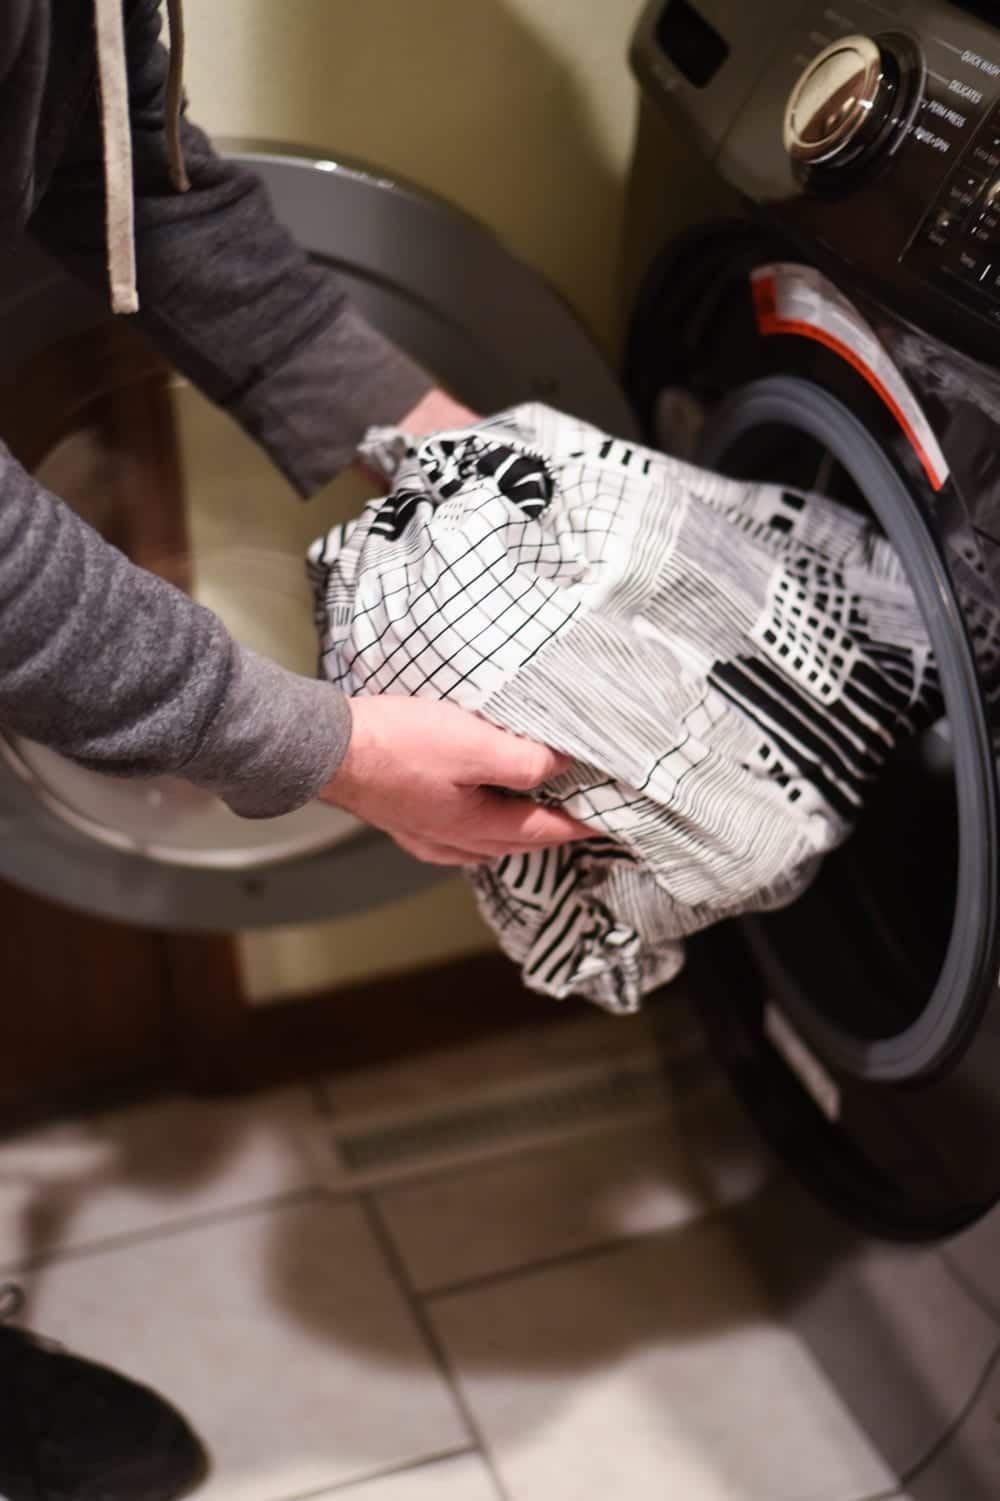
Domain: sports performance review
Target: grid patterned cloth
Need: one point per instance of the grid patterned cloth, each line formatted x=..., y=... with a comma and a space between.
x=727, y=664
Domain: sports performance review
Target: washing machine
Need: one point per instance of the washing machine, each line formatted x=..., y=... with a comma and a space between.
x=837, y=327
x=442, y=287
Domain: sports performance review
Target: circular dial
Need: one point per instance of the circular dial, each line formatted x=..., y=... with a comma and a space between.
x=840, y=102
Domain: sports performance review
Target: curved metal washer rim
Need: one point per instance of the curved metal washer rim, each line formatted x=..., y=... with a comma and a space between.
x=444, y=288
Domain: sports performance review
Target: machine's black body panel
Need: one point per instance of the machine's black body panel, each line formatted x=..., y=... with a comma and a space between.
x=823, y=1013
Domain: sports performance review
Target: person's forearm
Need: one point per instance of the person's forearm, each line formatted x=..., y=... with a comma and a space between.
x=123, y=673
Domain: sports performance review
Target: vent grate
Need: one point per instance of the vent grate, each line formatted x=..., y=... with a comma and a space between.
x=478, y=1125
x=503, y=1123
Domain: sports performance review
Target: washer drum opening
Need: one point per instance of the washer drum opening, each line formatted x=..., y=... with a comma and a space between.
x=887, y=962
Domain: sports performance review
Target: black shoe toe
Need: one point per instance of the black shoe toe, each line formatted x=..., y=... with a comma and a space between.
x=78, y=1431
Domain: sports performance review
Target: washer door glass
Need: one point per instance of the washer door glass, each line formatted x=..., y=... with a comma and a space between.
x=886, y=962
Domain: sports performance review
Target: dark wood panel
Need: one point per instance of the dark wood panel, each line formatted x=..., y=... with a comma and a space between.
x=246, y=1047
x=84, y=1003
x=88, y=1004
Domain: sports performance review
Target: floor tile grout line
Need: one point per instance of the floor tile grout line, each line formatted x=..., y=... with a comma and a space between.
x=424, y=1323
x=320, y=1094
x=340, y=1487
x=895, y=1494
x=626, y=1242
x=947, y=1438
x=958, y=1275
x=320, y=1190
x=166, y=1229
x=320, y=1100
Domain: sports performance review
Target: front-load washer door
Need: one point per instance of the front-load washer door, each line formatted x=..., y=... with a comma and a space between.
x=862, y=1023
x=174, y=483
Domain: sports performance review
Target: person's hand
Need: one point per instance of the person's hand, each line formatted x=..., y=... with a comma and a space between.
x=432, y=414
x=426, y=773
x=435, y=412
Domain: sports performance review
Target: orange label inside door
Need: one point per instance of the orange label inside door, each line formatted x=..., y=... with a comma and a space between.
x=794, y=299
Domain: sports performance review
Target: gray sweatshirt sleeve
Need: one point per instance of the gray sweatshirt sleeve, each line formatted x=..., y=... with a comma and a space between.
x=97, y=659
x=123, y=673
x=224, y=291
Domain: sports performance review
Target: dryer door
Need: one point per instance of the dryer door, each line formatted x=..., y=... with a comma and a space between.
x=223, y=524
x=862, y=1024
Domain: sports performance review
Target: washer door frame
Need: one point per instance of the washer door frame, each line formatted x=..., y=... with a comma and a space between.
x=907, y=1160
x=970, y=963
x=444, y=288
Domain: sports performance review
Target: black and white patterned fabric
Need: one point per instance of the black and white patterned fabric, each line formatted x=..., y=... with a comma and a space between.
x=727, y=664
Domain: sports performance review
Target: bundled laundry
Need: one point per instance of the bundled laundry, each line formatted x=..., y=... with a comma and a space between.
x=727, y=664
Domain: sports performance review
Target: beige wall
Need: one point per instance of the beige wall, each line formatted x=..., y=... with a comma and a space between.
x=521, y=112
x=518, y=110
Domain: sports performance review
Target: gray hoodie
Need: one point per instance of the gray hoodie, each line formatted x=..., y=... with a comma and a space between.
x=98, y=659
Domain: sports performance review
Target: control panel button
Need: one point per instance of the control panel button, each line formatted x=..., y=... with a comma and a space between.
x=970, y=266
x=991, y=281
x=986, y=151
x=943, y=227
x=963, y=191
x=986, y=228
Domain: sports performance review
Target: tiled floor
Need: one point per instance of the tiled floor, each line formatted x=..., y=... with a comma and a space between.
x=568, y=1323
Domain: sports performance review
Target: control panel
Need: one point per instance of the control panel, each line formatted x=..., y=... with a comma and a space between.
x=958, y=243
x=871, y=125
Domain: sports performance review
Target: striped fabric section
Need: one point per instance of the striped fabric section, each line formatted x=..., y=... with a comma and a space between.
x=728, y=665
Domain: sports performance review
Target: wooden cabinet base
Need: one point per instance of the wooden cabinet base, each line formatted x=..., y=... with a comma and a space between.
x=95, y=1013
x=355, y=1026
x=84, y=1003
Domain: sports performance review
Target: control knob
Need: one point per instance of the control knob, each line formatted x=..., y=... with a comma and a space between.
x=852, y=102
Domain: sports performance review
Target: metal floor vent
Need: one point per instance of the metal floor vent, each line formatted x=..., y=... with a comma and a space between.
x=499, y=1124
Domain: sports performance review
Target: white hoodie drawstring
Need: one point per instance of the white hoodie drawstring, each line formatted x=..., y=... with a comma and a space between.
x=112, y=75
x=178, y=171
x=119, y=209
